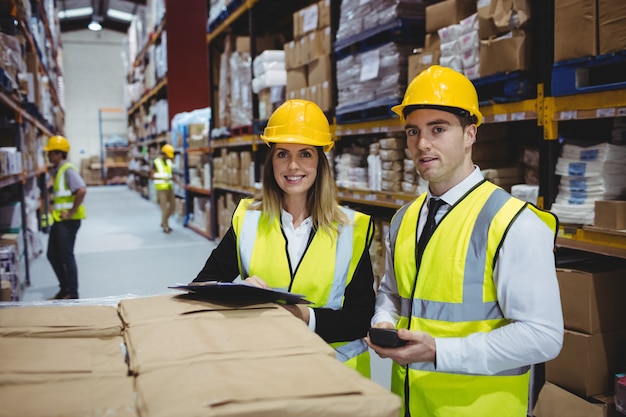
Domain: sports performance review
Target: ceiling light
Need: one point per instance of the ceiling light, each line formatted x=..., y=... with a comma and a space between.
x=94, y=25
x=77, y=12
x=120, y=15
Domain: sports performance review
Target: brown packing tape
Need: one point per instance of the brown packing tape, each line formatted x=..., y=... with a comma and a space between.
x=303, y=386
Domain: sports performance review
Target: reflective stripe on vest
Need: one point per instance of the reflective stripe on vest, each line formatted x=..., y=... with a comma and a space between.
x=269, y=260
x=63, y=198
x=452, y=294
x=163, y=175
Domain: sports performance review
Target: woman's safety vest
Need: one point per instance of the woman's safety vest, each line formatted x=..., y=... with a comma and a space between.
x=63, y=197
x=326, y=268
x=454, y=296
x=163, y=174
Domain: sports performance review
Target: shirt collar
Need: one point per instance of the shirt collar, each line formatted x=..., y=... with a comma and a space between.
x=455, y=193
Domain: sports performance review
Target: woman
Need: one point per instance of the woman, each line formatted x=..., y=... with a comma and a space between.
x=297, y=238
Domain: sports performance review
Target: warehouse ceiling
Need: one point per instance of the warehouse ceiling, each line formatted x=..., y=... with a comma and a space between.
x=110, y=14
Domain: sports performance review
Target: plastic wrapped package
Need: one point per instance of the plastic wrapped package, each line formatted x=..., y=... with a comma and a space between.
x=240, y=89
x=376, y=74
x=269, y=60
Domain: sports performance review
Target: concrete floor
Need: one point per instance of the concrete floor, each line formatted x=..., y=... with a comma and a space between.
x=120, y=249
x=122, y=252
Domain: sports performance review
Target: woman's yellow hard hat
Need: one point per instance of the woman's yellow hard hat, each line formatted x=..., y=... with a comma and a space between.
x=299, y=121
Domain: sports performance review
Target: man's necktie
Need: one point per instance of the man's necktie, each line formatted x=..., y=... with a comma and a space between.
x=434, y=204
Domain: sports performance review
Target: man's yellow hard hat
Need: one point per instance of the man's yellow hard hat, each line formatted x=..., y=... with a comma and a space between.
x=168, y=150
x=57, y=143
x=444, y=89
x=299, y=121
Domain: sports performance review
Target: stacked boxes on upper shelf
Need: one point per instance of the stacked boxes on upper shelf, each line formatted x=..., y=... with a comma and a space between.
x=307, y=56
x=270, y=79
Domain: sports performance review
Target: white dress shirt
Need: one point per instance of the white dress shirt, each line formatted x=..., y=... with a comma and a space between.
x=297, y=239
x=528, y=294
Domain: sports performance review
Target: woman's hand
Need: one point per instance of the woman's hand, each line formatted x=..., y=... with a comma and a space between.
x=255, y=282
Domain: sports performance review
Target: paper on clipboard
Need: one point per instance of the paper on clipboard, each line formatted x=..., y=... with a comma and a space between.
x=234, y=291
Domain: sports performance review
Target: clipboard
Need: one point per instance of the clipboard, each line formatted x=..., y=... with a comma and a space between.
x=235, y=291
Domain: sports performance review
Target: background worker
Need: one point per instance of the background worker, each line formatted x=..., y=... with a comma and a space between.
x=67, y=212
x=162, y=176
x=479, y=301
x=297, y=238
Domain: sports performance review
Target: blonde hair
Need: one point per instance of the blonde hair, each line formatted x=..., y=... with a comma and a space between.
x=321, y=197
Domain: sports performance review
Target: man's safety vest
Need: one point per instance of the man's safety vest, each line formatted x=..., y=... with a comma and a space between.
x=63, y=197
x=452, y=294
x=163, y=174
x=326, y=268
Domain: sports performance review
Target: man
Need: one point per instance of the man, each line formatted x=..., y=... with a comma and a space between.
x=479, y=301
x=162, y=176
x=69, y=191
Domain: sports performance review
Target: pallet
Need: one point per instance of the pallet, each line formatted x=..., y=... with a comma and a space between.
x=375, y=110
x=590, y=74
x=241, y=130
x=399, y=30
x=505, y=88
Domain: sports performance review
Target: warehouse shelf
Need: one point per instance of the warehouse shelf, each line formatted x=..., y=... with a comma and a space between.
x=198, y=230
x=150, y=94
x=153, y=40
x=510, y=112
x=236, y=189
x=235, y=141
x=369, y=127
x=374, y=198
x=197, y=190
x=198, y=150
x=10, y=180
x=593, y=239
x=229, y=19
x=21, y=112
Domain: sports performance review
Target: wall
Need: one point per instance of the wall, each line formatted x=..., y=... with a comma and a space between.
x=94, y=74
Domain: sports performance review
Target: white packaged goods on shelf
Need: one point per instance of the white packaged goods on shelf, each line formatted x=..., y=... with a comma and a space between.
x=271, y=78
x=240, y=89
x=268, y=60
x=588, y=174
x=380, y=73
x=357, y=16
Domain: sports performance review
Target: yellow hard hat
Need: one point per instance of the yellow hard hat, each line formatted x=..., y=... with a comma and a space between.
x=57, y=143
x=168, y=150
x=299, y=121
x=441, y=88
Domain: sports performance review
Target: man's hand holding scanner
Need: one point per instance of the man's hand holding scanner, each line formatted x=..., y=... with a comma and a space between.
x=414, y=346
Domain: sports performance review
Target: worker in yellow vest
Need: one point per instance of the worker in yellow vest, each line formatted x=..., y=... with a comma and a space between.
x=67, y=212
x=297, y=238
x=470, y=280
x=162, y=179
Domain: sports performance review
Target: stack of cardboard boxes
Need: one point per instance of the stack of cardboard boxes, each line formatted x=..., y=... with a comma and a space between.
x=176, y=356
x=307, y=56
x=593, y=347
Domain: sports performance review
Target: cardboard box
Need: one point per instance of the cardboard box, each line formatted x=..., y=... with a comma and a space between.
x=496, y=17
x=36, y=360
x=554, y=401
x=60, y=321
x=575, y=29
x=319, y=71
x=83, y=396
x=220, y=337
x=299, y=385
x=420, y=61
x=592, y=296
x=510, y=52
x=587, y=363
x=296, y=79
x=448, y=12
x=611, y=26
x=197, y=135
x=610, y=214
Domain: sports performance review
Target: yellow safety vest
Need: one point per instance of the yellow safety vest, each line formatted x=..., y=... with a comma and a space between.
x=163, y=174
x=63, y=197
x=454, y=296
x=326, y=268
